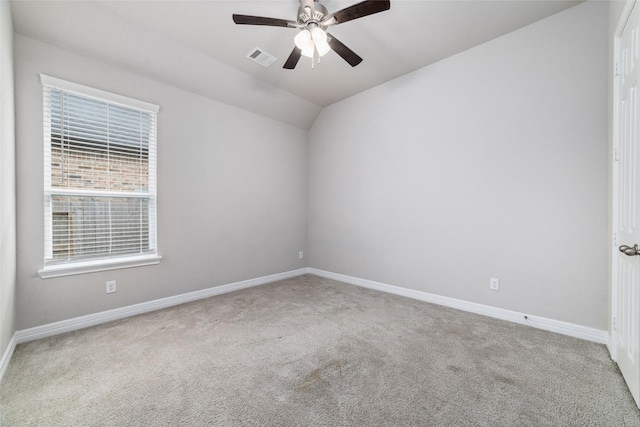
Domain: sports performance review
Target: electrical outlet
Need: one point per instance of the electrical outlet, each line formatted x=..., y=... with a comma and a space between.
x=111, y=286
x=494, y=284
x=300, y=255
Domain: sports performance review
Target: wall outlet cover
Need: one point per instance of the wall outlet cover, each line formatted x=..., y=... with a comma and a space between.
x=111, y=286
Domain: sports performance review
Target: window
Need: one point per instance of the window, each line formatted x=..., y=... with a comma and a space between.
x=99, y=180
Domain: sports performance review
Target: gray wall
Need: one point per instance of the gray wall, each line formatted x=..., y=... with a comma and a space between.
x=7, y=181
x=231, y=193
x=492, y=163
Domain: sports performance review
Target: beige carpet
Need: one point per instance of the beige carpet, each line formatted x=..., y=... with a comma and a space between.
x=311, y=351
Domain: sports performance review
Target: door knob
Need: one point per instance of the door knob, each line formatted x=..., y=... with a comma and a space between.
x=629, y=251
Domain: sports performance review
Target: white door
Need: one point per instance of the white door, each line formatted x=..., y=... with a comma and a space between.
x=626, y=258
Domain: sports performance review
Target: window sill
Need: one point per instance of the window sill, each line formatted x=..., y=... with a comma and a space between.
x=94, y=266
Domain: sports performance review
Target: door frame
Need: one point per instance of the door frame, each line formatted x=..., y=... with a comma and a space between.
x=613, y=339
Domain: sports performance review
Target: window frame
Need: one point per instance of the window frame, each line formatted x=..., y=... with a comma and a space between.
x=57, y=268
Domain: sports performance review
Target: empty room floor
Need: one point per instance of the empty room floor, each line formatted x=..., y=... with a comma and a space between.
x=313, y=351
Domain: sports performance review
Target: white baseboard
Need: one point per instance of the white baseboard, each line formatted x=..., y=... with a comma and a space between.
x=51, y=329
x=76, y=323
x=565, y=328
x=6, y=357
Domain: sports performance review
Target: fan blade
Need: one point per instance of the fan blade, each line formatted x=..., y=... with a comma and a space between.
x=365, y=8
x=261, y=20
x=347, y=54
x=293, y=59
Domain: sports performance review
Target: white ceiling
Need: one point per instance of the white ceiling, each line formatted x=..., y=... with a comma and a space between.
x=196, y=46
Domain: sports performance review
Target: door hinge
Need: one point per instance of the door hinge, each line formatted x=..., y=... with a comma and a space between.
x=615, y=239
x=617, y=69
x=614, y=324
x=615, y=154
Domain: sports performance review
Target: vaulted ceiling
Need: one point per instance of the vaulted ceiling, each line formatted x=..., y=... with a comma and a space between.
x=196, y=46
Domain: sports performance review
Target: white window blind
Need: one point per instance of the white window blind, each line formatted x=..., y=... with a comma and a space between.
x=99, y=174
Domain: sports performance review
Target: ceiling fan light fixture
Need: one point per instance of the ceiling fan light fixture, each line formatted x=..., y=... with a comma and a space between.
x=318, y=35
x=323, y=48
x=308, y=51
x=303, y=40
x=308, y=41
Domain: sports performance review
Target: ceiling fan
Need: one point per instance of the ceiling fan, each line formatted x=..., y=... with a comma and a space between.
x=313, y=20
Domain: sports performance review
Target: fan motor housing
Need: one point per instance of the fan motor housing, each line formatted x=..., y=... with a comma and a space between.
x=311, y=14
